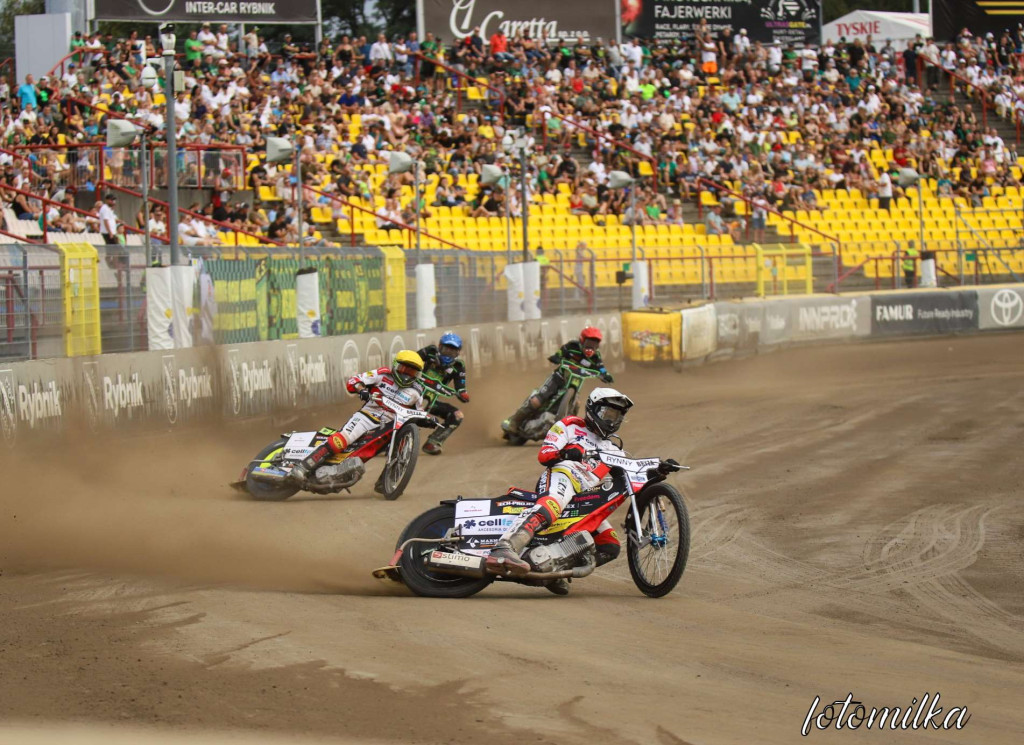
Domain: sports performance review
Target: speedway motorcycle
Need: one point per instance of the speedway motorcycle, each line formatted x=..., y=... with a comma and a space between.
x=565, y=402
x=265, y=476
x=442, y=553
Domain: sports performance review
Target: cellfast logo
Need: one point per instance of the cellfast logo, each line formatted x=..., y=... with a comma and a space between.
x=122, y=394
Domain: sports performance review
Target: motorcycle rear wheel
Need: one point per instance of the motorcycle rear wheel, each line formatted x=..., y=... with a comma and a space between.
x=398, y=469
x=261, y=490
x=433, y=524
x=658, y=566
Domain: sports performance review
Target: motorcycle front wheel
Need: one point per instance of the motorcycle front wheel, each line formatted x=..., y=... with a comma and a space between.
x=261, y=490
x=433, y=524
x=658, y=558
x=399, y=467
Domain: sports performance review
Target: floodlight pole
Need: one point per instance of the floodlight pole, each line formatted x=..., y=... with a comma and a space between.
x=524, y=200
x=508, y=219
x=170, y=127
x=416, y=200
x=632, y=226
x=298, y=201
x=145, y=200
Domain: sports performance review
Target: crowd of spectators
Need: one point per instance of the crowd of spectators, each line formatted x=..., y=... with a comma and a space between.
x=776, y=122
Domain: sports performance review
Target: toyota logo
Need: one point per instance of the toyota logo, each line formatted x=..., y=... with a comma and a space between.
x=1007, y=307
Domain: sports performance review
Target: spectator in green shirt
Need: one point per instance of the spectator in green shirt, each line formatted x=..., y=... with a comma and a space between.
x=193, y=48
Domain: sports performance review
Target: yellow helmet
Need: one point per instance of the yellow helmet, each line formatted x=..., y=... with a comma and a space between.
x=406, y=367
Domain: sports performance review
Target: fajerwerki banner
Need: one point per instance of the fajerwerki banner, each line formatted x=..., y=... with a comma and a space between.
x=1000, y=308
x=915, y=313
x=146, y=390
x=768, y=21
x=453, y=20
x=212, y=11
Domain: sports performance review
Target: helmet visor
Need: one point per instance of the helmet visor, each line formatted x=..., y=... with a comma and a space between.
x=611, y=416
x=405, y=374
x=447, y=350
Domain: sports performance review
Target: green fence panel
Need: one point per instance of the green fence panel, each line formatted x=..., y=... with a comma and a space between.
x=237, y=291
x=281, y=321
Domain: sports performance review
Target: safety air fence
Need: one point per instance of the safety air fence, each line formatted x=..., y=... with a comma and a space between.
x=147, y=391
x=735, y=328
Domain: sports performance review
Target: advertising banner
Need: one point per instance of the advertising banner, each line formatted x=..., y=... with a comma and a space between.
x=700, y=332
x=914, y=313
x=1000, y=308
x=453, y=20
x=203, y=11
x=830, y=318
x=739, y=326
x=783, y=21
x=950, y=17
x=653, y=335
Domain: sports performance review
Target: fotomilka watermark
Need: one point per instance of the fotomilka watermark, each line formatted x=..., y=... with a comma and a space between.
x=849, y=714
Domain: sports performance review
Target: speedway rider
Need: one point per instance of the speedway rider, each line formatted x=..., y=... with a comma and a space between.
x=442, y=363
x=564, y=454
x=583, y=353
x=398, y=382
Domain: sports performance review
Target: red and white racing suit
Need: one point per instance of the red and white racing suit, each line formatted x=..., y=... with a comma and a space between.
x=372, y=414
x=564, y=479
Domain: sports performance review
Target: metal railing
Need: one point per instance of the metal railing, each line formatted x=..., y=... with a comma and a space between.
x=601, y=136
x=792, y=222
x=420, y=59
x=31, y=303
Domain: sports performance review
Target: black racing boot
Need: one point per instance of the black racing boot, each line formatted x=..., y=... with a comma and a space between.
x=301, y=471
x=558, y=586
x=512, y=424
x=505, y=556
x=436, y=440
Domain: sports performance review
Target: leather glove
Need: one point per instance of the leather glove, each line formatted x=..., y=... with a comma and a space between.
x=671, y=465
x=607, y=377
x=364, y=394
x=554, y=359
x=463, y=396
x=571, y=452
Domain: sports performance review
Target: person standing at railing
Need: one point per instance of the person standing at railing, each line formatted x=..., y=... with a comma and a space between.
x=909, y=266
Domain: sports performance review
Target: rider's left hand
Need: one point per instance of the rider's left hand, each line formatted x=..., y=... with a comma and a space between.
x=670, y=465
x=606, y=376
x=463, y=396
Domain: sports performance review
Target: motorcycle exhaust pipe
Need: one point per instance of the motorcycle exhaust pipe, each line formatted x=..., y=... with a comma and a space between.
x=275, y=476
x=465, y=565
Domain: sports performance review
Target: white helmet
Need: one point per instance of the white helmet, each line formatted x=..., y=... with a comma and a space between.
x=605, y=410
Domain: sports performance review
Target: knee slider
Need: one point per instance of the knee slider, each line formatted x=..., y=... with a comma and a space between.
x=337, y=442
x=454, y=419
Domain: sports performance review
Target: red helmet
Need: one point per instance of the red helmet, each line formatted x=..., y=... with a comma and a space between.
x=590, y=340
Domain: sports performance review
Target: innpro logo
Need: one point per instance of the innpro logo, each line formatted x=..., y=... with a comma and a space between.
x=1007, y=308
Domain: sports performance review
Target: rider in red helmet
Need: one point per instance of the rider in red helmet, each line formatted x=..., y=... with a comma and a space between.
x=583, y=352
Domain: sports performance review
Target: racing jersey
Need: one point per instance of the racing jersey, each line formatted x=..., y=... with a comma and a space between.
x=573, y=351
x=381, y=380
x=573, y=431
x=453, y=375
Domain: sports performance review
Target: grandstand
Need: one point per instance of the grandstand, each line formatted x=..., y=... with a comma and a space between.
x=812, y=150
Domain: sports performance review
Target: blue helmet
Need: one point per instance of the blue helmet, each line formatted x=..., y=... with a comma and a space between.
x=449, y=348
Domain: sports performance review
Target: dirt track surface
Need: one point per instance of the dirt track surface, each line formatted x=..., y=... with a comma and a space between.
x=857, y=529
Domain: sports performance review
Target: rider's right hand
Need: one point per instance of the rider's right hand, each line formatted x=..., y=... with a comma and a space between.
x=571, y=452
x=364, y=394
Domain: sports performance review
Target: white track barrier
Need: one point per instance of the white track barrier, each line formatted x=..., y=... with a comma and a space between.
x=531, y=290
x=158, y=307
x=641, y=285
x=426, y=297
x=307, y=304
x=183, y=289
x=928, y=276
x=516, y=295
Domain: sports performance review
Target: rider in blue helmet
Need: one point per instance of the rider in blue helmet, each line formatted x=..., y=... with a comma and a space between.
x=442, y=363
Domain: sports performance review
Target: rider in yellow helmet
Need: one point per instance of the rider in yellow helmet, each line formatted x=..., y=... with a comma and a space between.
x=397, y=383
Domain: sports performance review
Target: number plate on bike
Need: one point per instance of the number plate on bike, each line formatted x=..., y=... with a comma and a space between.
x=299, y=445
